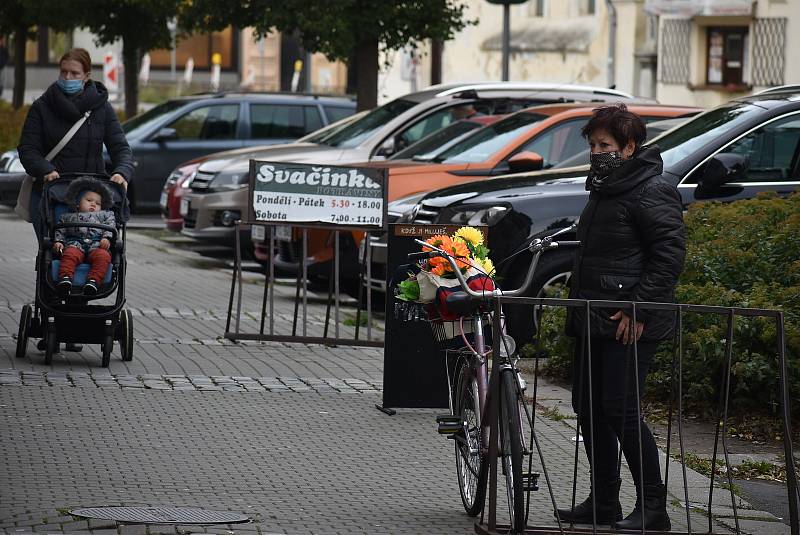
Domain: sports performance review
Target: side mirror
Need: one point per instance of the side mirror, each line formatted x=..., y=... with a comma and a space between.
x=721, y=169
x=387, y=148
x=525, y=161
x=165, y=134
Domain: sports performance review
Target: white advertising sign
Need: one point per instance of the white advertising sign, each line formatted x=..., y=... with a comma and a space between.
x=317, y=195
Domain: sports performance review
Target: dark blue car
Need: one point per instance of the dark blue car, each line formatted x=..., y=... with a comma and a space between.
x=189, y=127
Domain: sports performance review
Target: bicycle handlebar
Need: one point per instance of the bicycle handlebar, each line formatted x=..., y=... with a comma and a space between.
x=537, y=247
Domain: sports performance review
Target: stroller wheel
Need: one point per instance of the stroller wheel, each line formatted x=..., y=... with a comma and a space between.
x=108, y=346
x=126, y=335
x=22, y=334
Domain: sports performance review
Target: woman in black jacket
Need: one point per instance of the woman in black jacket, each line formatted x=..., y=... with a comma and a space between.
x=54, y=113
x=632, y=249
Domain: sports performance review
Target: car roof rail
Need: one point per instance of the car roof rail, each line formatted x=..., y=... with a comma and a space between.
x=528, y=86
x=779, y=89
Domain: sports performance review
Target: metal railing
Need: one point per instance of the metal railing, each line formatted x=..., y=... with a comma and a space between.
x=676, y=388
x=268, y=331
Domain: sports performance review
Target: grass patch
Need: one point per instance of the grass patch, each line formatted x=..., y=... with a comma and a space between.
x=746, y=470
x=552, y=413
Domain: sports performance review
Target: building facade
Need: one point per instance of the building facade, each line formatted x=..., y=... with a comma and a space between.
x=710, y=51
x=594, y=42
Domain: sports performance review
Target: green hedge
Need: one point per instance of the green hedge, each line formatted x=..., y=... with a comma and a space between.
x=11, y=122
x=744, y=254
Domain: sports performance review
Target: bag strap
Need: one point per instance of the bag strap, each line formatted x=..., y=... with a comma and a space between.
x=70, y=133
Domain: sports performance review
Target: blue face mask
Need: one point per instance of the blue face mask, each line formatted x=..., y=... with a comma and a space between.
x=70, y=87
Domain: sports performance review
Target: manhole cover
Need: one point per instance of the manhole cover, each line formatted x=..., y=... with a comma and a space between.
x=161, y=515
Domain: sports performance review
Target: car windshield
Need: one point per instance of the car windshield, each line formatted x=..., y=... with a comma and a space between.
x=134, y=126
x=677, y=144
x=316, y=136
x=428, y=147
x=356, y=132
x=489, y=139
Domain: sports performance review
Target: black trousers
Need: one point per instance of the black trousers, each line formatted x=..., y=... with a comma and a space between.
x=613, y=409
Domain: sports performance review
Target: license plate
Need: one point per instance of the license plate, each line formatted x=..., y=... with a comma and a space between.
x=184, y=207
x=258, y=232
x=283, y=232
x=163, y=200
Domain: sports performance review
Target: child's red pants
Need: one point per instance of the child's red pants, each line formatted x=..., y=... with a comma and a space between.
x=98, y=259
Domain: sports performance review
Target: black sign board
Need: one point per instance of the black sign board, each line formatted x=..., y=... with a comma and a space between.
x=414, y=372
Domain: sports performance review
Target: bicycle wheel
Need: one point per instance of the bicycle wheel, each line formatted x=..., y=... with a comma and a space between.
x=511, y=450
x=471, y=465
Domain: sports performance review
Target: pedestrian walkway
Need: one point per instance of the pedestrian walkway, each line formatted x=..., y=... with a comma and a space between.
x=285, y=433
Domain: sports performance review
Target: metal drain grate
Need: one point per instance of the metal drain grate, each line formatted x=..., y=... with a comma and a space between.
x=161, y=515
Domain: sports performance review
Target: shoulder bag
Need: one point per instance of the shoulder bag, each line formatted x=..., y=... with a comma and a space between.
x=22, y=208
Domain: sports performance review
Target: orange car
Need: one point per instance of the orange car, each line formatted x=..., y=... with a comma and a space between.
x=531, y=139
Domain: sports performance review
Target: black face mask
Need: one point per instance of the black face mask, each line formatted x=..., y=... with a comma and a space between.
x=603, y=163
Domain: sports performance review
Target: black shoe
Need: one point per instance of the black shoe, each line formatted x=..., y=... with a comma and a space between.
x=655, y=516
x=90, y=288
x=64, y=286
x=608, y=509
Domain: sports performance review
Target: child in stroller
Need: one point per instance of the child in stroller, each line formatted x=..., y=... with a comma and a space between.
x=91, y=200
x=65, y=313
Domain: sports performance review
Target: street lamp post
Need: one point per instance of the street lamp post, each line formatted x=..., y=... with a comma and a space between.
x=172, y=26
x=506, y=31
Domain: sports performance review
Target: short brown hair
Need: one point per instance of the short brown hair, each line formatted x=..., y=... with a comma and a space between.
x=623, y=125
x=81, y=55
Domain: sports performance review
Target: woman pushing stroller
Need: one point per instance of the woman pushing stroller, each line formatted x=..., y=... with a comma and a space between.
x=74, y=116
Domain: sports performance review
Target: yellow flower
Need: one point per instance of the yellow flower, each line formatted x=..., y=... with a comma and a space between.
x=470, y=234
x=486, y=265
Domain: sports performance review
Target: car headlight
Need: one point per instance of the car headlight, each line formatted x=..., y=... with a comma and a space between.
x=188, y=182
x=228, y=181
x=173, y=178
x=489, y=215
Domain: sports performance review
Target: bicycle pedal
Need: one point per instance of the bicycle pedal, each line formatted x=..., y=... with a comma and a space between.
x=530, y=481
x=449, y=424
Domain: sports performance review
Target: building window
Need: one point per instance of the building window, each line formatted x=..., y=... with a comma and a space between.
x=536, y=8
x=727, y=55
x=586, y=7
x=200, y=48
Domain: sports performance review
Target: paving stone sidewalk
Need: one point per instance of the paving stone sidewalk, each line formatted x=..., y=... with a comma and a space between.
x=285, y=433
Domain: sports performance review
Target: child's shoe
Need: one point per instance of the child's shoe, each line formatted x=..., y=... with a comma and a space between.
x=64, y=285
x=90, y=288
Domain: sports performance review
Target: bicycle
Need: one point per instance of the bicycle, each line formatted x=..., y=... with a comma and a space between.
x=469, y=392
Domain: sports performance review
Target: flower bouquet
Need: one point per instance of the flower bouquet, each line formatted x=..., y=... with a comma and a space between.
x=437, y=278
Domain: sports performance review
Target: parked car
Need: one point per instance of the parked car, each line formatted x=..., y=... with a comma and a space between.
x=178, y=181
x=731, y=152
x=188, y=127
x=220, y=183
x=527, y=140
x=11, y=176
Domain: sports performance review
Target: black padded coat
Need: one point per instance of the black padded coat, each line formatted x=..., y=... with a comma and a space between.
x=53, y=114
x=633, y=245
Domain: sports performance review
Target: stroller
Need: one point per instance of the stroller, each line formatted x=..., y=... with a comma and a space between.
x=70, y=318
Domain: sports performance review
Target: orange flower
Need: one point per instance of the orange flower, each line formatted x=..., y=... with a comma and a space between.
x=440, y=270
x=441, y=241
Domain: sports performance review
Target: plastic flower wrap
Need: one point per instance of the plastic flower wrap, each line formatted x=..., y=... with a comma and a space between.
x=466, y=246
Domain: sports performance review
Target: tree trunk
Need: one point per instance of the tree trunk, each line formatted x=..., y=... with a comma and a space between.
x=130, y=60
x=20, y=39
x=367, y=71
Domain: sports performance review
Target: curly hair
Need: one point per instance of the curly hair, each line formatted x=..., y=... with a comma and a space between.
x=80, y=186
x=623, y=125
